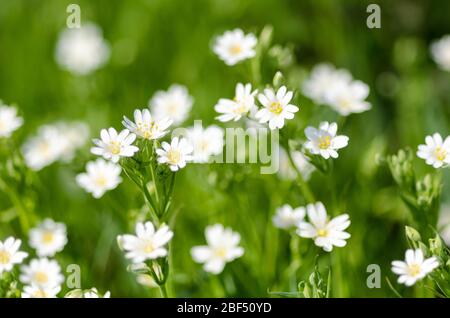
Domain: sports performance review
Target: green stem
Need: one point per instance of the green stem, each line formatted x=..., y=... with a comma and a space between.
x=148, y=196
x=21, y=210
x=163, y=291
x=309, y=196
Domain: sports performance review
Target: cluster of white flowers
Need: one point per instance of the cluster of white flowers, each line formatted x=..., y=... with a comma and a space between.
x=82, y=50
x=174, y=104
x=414, y=268
x=276, y=107
x=323, y=141
x=54, y=142
x=235, y=46
x=440, y=52
x=436, y=151
x=326, y=233
x=337, y=89
x=223, y=247
x=9, y=120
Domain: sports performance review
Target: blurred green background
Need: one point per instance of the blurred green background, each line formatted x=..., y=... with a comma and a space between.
x=158, y=42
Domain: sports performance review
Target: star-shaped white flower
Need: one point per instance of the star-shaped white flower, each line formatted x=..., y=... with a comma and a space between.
x=207, y=142
x=348, y=97
x=175, y=103
x=286, y=217
x=242, y=104
x=112, y=146
x=323, y=141
x=176, y=154
x=325, y=233
x=145, y=126
x=223, y=247
x=43, y=273
x=9, y=121
x=100, y=176
x=414, y=268
x=48, y=238
x=147, y=243
x=235, y=46
x=435, y=152
x=277, y=107
x=10, y=254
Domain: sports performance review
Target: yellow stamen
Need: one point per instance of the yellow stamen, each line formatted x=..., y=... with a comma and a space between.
x=414, y=270
x=275, y=107
x=149, y=247
x=440, y=153
x=235, y=49
x=114, y=147
x=47, y=237
x=220, y=252
x=5, y=257
x=173, y=156
x=322, y=232
x=41, y=277
x=324, y=142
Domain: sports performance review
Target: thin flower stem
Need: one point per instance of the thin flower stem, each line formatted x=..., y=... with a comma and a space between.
x=309, y=196
x=17, y=202
x=163, y=291
x=152, y=172
x=149, y=198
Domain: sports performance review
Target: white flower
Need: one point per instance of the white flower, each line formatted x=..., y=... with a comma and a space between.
x=54, y=142
x=348, y=97
x=48, y=238
x=440, y=51
x=414, y=268
x=175, y=103
x=175, y=154
x=435, y=152
x=322, y=78
x=325, y=233
x=112, y=146
x=34, y=291
x=223, y=247
x=206, y=142
x=43, y=273
x=145, y=126
x=235, y=46
x=9, y=121
x=147, y=243
x=82, y=50
x=10, y=254
x=324, y=141
x=93, y=293
x=100, y=176
x=242, y=104
x=276, y=107
x=444, y=223
x=286, y=171
x=286, y=217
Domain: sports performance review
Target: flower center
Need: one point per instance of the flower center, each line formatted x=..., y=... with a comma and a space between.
x=173, y=156
x=101, y=181
x=147, y=131
x=275, y=107
x=440, y=153
x=114, y=147
x=324, y=142
x=240, y=109
x=235, y=49
x=5, y=257
x=149, y=247
x=414, y=270
x=41, y=277
x=220, y=252
x=47, y=237
x=39, y=294
x=322, y=233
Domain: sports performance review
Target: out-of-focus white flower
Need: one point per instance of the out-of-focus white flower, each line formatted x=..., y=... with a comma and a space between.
x=175, y=154
x=10, y=254
x=323, y=77
x=223, y=247
x=145, y=126
x=325, y=233
x=414, y=268
x=146, y=280
x=444, y=223
x=286, y=171
x=206, y=142
x=87, y=293
x=436, y=151
x=286, y=217
x=440, y=51
x=147, y=243
x=235, y=46
x=34, y=291
x=276, y=107
x=112, y=146
x=100, y=176
x=43, y=273
x=175, y=103
x=348, y=97
x=9, y=121
x=48, y=238
x=324, y=141
x=53, y=142
x=82, y=50
x=337, y=89
x=242, y=104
